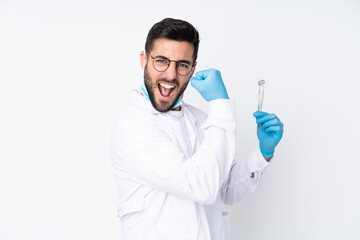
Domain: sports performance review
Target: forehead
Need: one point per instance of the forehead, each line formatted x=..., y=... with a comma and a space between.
x=174, y=50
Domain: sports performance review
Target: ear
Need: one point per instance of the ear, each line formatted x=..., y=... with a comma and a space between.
x=142, y=59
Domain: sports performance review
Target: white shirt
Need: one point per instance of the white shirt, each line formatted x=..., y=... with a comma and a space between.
x=174, y=169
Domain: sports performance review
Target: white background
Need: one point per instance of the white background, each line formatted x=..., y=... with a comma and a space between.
x=67, y=66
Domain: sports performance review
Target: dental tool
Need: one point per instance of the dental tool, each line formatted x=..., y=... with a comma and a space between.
x=261, y=84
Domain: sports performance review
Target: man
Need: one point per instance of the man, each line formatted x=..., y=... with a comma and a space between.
x=173, y=164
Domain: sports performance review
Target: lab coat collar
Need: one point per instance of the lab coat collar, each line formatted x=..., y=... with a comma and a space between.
x=139, y=101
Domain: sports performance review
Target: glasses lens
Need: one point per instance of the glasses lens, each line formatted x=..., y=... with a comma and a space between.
x=161, y=64
x=183, y=68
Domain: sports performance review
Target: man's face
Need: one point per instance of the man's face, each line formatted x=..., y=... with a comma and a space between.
x=165, y=88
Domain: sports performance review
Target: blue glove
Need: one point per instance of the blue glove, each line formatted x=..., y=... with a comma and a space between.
x=269, y=132
x=209, y=84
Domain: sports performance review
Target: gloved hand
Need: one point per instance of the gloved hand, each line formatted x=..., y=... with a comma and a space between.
x=269, y=132
x=209, y=84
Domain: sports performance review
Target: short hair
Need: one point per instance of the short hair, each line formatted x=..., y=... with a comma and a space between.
x=174, y=29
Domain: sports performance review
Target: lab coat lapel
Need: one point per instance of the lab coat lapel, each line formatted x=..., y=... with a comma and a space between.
x=190, y=122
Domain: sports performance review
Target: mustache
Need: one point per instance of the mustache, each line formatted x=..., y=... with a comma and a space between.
x=175, y=80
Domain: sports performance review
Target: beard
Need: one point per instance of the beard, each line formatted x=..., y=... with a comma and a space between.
x=152, y=85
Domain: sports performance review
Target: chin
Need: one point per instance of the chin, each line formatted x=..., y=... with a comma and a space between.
x=164, y=105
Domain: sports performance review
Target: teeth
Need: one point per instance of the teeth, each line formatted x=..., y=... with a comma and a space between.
x=166, y=86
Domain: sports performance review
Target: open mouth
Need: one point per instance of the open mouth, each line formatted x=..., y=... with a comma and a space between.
x=165, y=90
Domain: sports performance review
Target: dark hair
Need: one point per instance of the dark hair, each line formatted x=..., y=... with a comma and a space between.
x=174, y=29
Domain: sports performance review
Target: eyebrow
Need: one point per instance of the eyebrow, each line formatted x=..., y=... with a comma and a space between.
x=179, y=61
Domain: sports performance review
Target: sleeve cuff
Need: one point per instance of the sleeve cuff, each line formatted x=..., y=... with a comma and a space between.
x=257, y=161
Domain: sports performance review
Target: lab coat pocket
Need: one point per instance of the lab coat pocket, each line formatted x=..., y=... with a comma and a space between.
x=130, y=207
x=225, y=226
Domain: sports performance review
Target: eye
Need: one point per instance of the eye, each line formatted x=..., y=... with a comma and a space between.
x=184, y=65
x=161, y=61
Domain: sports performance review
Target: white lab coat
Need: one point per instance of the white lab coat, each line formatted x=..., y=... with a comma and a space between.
x=174, y=169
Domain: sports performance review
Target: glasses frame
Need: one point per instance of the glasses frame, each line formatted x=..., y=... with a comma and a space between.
x=176, y=64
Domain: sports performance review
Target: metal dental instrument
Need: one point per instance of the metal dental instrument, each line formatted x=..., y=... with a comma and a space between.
x=261, y=94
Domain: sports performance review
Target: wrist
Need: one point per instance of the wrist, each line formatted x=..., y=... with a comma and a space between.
x=267, y=158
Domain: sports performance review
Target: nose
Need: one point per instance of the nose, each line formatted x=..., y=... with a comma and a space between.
x=171, y=73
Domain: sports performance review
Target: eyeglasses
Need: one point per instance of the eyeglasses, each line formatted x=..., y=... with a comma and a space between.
x=161, y=64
